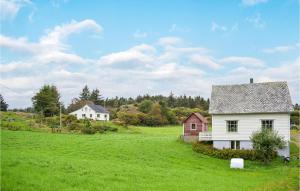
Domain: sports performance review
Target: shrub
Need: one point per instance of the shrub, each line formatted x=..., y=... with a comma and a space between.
x=87, y=128
x=207, y=149
x=171, y=117
x=15, y=125
x=128, y=118
x=67, y=120
x=266, y=142
x=145, y=106
x=74, y=126
x=88, y=131
x=12, y=126
x=295, y=115
x=101, y=128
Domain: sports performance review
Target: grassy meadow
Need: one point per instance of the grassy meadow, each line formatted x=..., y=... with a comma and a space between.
x=137, y=159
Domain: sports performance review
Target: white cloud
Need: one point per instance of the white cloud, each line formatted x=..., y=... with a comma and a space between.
x=30, y=16
x=176, y=28
x=288, y=71
x=53, y=40
x=57, y=35
x=140, y=34
x=205, y=60
x=169, y=41
x=12, y=66
x=10, y=8
x=138, y=54
x=144, y=68
x=19, y=44
x=246, y=61
x=51, y=47
x=215, y=27
x=60, y=57
x=168, y=71
x=257, y=21
x=279, y=49
x=253, y=2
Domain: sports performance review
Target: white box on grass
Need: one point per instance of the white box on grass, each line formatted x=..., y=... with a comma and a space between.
x=237, y=163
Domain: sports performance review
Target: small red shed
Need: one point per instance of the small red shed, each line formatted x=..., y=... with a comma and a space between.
x=194, y=124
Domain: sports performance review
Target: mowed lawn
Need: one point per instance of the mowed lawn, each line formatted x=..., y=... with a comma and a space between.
x=148, y=159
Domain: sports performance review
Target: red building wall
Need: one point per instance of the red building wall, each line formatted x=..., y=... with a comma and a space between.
x=200, y=126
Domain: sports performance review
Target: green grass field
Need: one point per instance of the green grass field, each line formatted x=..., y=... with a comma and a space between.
x=146, y=159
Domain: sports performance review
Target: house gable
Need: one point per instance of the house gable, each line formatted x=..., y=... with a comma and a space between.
x=197, y=115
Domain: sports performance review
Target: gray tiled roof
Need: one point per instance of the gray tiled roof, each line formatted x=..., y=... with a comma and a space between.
x=97, y=108
x=269, y=97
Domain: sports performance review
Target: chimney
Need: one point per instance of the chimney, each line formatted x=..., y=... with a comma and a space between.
x=251, y=80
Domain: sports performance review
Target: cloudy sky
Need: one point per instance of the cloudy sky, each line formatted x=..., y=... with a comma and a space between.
x=132, y=47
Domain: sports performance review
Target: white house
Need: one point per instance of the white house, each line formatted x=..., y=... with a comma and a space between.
x=239, y=110
x=92, y=111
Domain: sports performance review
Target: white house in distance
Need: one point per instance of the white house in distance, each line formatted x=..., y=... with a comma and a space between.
x=239, y=110
x=92, y=111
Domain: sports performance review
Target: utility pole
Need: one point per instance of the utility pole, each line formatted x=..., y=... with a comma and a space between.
x=60, y=116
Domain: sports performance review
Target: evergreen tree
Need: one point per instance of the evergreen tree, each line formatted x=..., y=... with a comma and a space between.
x=296, y=106
x=96, y=97
x=3, y=104
x=46, y=101
x=85, y=94
x=171, y=100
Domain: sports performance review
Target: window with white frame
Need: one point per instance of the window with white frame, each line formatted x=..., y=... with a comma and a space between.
x=232, y=126
x=267, y=124
x=83, y=115
x=193, y=126
x=98, y=115
x=235, y=144
x=91, y=115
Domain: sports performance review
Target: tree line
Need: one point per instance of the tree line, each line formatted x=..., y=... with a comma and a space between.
x=143, y=109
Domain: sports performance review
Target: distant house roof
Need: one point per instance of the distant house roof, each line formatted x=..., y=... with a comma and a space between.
x=198, y=115
x=97, y=108
x=270, y=97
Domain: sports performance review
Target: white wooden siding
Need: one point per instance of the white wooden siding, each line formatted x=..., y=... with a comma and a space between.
x=248, y=123
x=88, y=111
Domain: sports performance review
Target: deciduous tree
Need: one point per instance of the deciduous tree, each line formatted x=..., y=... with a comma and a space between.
x=46, y=101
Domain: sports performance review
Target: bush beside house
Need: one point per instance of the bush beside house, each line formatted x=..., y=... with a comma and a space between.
x=265, y=142
x=207, y=149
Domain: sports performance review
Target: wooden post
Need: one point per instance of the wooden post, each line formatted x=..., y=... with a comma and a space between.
x=60, y=124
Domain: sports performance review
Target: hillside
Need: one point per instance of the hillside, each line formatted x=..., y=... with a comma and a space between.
x=144, y=159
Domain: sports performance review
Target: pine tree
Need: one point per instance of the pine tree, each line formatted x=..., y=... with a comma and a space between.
x=96, y=97
x=171, y=100
x=85, y=94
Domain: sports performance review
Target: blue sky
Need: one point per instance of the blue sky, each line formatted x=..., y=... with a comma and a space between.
x=126, y=48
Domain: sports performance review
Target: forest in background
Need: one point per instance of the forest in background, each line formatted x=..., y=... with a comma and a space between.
x=147, y=110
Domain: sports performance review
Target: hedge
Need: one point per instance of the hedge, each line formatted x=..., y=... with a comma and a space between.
x=207, y=149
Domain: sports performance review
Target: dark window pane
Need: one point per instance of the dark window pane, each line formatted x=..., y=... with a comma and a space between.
x=267, y=124
x=232, y=144
x=237, y=144
x=193, y=126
